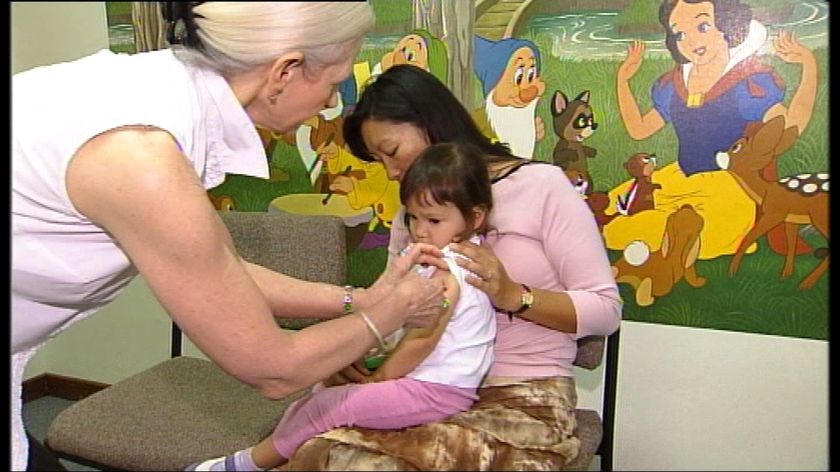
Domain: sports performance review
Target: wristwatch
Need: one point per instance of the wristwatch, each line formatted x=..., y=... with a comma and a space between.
x=526, y=298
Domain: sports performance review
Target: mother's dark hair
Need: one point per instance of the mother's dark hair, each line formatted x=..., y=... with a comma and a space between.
x=732, y=18
x=409, y=94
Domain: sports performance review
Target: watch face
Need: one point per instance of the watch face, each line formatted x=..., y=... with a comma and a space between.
x=527, y=298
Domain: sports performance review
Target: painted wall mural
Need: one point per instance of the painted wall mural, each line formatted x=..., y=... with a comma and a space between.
x=696, y=131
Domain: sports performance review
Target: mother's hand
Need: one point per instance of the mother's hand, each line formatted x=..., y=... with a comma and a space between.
x=490, y=274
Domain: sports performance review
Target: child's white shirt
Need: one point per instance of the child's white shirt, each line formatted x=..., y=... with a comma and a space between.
x=464, y=353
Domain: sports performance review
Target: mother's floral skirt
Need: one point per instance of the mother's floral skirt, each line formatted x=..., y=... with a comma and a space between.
x=527, y=426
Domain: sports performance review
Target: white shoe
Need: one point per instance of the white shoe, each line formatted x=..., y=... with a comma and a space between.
x=217, y=464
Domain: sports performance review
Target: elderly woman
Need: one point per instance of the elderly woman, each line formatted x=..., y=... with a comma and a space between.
x=119, y=188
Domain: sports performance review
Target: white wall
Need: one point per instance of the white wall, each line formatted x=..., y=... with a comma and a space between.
x=50, y=32
x=695, y=399
x=128, y=336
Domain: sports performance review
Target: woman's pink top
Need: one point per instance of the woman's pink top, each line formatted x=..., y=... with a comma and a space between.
x=547, y=238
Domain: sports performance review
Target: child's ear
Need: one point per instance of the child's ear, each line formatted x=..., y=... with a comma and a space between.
x=479, y=216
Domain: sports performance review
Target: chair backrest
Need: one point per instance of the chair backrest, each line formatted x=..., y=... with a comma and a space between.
x=276, y=240
x=306, y=247
x=590, y=352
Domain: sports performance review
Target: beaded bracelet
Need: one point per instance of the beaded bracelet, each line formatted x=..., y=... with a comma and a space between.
x=348, y=299
x=372, y=327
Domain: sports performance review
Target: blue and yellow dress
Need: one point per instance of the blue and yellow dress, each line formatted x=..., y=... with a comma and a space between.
x=705, y=124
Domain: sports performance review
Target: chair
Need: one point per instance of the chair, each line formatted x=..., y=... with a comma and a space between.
x=187, y=409
x=595, y=433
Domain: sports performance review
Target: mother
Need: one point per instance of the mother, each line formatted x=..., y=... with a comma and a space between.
x=544, y=267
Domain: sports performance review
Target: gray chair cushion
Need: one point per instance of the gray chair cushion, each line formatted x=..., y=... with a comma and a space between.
x=180, y=411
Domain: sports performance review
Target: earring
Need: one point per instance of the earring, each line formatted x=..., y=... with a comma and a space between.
x=273, y=99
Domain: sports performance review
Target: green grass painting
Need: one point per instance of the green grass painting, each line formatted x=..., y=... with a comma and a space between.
x=756, y=299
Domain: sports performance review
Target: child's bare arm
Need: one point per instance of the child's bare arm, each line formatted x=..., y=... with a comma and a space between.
x=418, y=343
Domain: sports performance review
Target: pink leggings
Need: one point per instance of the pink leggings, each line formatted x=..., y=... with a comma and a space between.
x=392, y=404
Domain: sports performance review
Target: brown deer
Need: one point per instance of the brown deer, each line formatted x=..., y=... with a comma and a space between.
x=794, y=200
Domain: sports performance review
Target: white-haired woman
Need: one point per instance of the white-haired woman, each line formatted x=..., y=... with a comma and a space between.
x=118, y=187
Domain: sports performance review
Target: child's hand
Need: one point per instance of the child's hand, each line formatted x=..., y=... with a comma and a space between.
x=353, y=373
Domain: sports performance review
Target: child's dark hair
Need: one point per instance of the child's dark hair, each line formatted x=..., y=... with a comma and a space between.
x=453, y=172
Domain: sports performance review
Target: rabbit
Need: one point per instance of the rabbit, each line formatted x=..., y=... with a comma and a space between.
x=653, y=275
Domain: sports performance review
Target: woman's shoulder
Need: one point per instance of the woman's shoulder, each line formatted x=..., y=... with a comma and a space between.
x=535, y=182
x=530, y=186
x=530, y=171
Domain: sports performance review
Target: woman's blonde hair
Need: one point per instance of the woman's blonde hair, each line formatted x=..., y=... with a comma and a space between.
x=234, y=37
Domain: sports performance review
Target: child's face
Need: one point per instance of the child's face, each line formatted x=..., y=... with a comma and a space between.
x=433, y=223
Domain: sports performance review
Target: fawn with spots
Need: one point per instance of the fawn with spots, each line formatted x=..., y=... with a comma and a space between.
x=794, y=200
